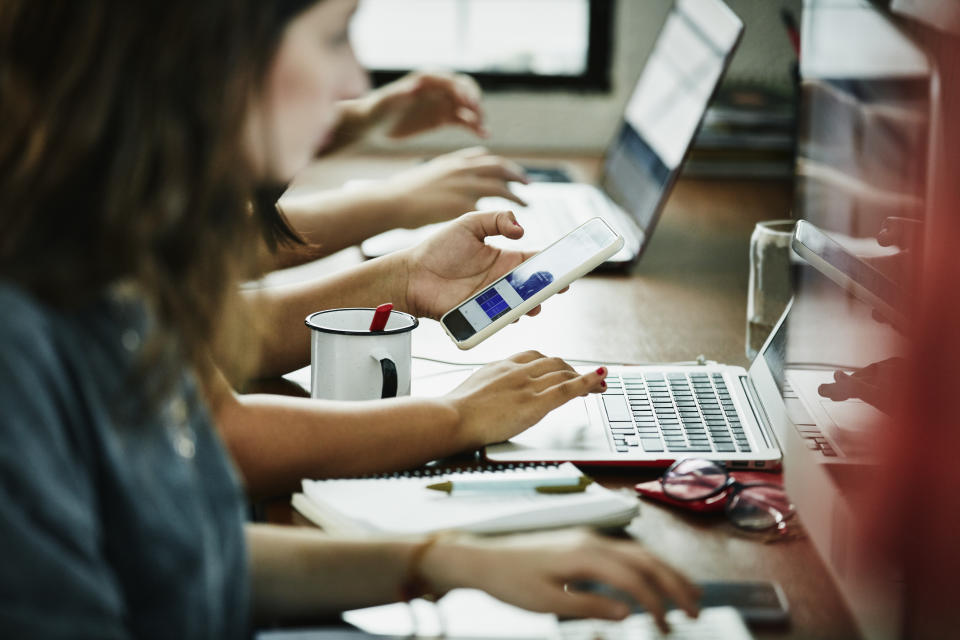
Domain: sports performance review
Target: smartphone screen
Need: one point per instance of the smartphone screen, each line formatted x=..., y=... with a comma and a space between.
x=555, y=263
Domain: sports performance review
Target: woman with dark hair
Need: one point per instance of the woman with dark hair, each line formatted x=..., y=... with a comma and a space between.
x=133, y=135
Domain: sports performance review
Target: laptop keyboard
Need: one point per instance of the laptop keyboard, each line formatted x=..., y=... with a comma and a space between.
x=673, y=412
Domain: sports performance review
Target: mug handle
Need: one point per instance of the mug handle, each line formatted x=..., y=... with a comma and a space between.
x=388, y=371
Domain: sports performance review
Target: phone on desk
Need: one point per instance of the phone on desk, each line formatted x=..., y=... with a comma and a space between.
x=759, y=603
x=572, y=256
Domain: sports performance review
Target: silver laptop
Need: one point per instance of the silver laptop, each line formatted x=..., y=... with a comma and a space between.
x=653, y=415
x=642, y=162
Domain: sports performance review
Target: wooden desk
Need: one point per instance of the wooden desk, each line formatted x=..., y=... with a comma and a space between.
x=686, y=296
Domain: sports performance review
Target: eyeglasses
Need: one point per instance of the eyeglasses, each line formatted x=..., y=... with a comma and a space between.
x=755, y=506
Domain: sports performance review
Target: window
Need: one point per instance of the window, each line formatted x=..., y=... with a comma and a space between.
x=542, y=44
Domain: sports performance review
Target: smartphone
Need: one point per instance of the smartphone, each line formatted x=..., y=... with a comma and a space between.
x=759, y=603
x=572, y=256
x=865, y=282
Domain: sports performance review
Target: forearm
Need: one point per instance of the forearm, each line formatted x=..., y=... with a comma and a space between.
x=281, y=310
x=354, y=119
x=276, y=441
x=334, y=219
x=300, y=573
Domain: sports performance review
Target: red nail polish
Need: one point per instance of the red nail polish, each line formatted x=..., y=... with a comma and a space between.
x=603, y=384
x=601, y=371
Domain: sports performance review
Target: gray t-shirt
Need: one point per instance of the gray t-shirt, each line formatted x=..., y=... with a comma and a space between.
x=110, y=526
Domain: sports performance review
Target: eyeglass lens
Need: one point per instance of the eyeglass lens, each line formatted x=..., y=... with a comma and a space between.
x=694, y=479
x=759, y=507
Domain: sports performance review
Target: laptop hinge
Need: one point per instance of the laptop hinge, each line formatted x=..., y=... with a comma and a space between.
x=759, y=413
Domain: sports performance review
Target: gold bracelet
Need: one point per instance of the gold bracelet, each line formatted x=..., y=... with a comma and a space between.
x=414, y=584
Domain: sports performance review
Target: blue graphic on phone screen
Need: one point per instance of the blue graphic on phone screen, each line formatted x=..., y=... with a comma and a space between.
x=531, y=285
x=493, y=304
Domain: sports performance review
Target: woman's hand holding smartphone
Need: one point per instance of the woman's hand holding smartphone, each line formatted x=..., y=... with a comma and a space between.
x=523, y=289
x=455, y=262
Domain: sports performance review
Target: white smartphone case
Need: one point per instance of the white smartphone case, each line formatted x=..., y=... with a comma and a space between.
x=560, y=283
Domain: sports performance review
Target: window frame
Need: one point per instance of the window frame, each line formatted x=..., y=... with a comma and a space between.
x=594, y=79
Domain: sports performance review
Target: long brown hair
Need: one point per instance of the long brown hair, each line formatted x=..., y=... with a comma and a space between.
x=120, y=156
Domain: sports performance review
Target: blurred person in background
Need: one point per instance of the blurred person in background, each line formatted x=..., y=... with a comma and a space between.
x=437, y=190
x=133, y=136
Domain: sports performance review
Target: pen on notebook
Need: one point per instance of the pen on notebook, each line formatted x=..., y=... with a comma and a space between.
x=380, y=316
x=539, y=484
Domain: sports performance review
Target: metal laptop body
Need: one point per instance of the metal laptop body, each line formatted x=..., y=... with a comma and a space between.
x=643, y=160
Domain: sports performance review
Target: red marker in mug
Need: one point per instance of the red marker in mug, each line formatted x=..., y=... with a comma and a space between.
x=380, y=316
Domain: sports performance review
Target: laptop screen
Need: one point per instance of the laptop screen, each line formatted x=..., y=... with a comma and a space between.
x=667, y=105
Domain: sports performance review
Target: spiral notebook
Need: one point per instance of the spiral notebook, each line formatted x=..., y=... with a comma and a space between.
x=402, y=504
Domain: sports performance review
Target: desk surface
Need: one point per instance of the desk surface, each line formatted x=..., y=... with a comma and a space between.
x=685, y=297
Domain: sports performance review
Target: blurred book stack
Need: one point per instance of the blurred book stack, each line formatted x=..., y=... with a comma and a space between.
x=748, y=132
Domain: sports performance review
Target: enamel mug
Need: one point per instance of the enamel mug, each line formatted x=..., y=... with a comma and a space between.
x=350, y=362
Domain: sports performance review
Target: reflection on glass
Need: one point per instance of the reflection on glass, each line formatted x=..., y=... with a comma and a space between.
x=861, y=178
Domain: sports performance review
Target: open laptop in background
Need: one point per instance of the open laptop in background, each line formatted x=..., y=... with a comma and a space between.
x=643, y=161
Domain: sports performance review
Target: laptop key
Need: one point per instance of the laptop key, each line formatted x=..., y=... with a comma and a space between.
x=617, y=408
x=651, y=444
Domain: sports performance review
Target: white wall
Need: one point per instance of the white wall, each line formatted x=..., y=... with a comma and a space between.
x=560, y=121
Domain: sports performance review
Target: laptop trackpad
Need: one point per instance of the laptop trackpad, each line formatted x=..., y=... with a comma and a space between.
x=567, y=427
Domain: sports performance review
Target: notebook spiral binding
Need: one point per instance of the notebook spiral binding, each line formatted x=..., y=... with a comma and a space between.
x=433, y=472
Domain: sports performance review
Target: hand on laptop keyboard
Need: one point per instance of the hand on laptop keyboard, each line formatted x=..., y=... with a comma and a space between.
x=450, y=185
